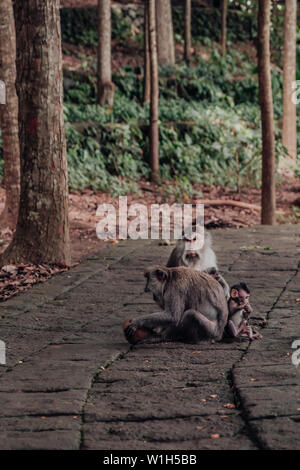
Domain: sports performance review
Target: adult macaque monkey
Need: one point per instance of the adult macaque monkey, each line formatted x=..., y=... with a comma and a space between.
x=193, y=303
x=239, y=312
x=185, y=255
x=203, y=259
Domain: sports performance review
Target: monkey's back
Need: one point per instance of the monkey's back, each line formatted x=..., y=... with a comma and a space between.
x=200, y=289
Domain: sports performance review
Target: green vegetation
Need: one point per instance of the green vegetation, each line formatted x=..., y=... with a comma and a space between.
x=209, y=127
x=79, y=25
x=209, y=112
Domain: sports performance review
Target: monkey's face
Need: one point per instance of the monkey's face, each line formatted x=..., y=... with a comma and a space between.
x=240, y=296
x=155, y=282
x=191, y=257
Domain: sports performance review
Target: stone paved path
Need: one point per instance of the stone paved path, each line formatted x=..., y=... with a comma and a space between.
x=72, y=382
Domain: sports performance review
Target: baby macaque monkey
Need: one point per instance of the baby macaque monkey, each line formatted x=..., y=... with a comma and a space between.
x=240, y=310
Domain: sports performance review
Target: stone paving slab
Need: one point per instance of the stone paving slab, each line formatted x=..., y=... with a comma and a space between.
x=72, y=381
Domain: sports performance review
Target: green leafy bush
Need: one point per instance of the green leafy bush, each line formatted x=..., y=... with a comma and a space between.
x=79, y=25
x=209, y=126
x=206, y=23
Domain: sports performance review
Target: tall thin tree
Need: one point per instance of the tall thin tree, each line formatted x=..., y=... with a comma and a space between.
x=268, y=201
x=9, y=115
x=224, y=27
x=187, y=31
x=165, y=33
x=42, y=232
x=147, y=82
x=289, y=129
x=105, y=85
x=154, y=156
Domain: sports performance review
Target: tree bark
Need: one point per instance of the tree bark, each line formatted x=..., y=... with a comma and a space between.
x=224, y=27
x=289, y=129
x=187, y=32
x=267, y=115
x=9, y=116
x=105, y=86
x=154, y=157
x=42, y=232
x=147, y=83
x=165, y=35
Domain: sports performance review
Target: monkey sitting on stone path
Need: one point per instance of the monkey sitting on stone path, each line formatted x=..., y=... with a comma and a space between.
x=193, y=304
x=200, y=259
x=239, y=312
x=203, y=259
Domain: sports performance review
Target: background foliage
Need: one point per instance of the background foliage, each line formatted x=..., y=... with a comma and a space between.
x=209, y=112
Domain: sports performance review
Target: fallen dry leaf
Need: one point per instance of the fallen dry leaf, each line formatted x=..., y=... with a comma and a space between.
x=214, y=436
x=17, y=278
x=229, y=405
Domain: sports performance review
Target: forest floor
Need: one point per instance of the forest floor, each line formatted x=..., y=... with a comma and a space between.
x=83, y=221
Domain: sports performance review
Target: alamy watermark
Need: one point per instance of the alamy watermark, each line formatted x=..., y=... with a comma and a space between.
x=152, y=222
x=296, y=354
x=2, y=92
x=296, y=92
x=2, y=352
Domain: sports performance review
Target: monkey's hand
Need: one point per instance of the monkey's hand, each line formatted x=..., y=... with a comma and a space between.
x=234, y=307
x=246, y=314
x=248, y=309
x=246, y=331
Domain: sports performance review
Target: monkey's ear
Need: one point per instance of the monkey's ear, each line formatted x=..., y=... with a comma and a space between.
x=234, y=293
x=161, y=275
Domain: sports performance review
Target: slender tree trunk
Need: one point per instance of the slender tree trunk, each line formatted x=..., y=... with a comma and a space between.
x=165, y=35
x=9, y=115
x=224, y=27
x=187, y=31
x=105, y=86
x=42, y=232
x=147, y=83
x=154, y=158
x=267, y=115
x=289, y=130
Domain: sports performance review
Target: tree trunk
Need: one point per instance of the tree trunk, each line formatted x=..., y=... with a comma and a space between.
x=289, y=130
x=105, y=86
x=187, y=32
x=154, y=158
x=224, y=27
x=267, y=115
x=165, y=35
x=42, y=232
x=9, y=115
x=147, y=83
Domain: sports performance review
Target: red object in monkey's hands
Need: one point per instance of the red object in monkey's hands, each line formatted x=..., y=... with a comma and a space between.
x=135, y=336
